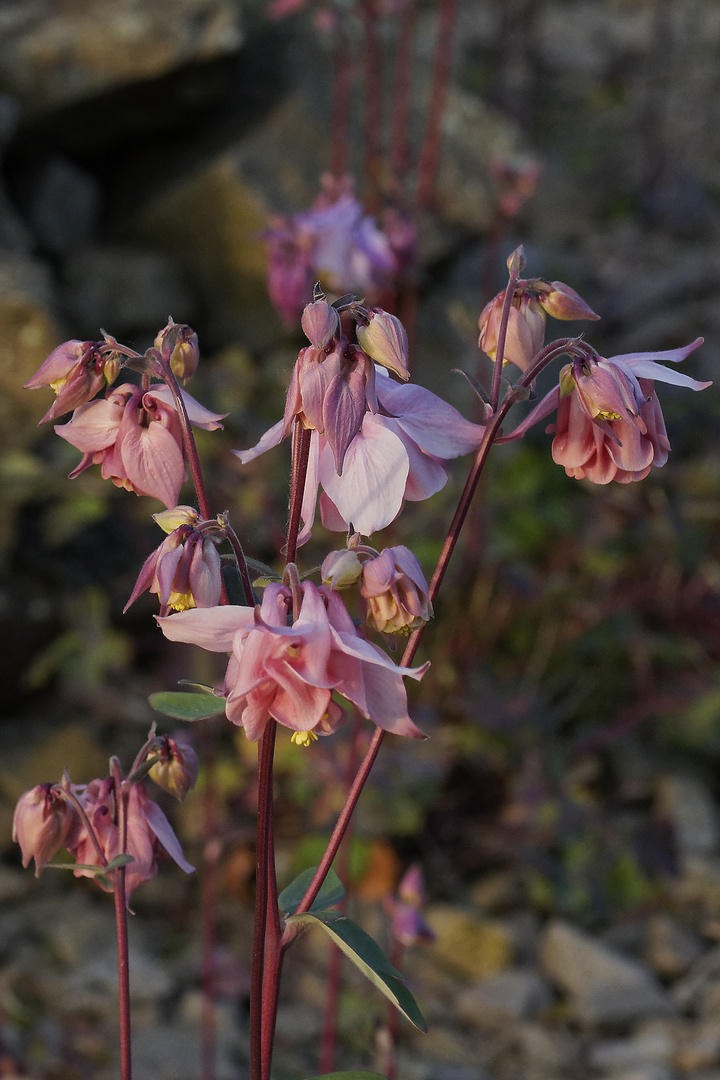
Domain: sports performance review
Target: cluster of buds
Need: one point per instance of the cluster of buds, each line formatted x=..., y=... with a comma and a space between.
x=532, y=301
x=184, y=571
x=394, y=595
x=333, y=382
x=85, y=819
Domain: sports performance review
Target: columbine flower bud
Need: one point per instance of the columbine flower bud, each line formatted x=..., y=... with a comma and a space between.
x=176, y=769
x=179, y=343
x=41, y=823
x=321, y=323
x=395, y=592
x=564, y=303
x=384, y=339
x=341, y=569
x=170, y=520
x=525, y=328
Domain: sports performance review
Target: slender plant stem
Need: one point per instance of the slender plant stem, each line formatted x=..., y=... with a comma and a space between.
x=119, y=894
x=402, y=90
x=188, y=441
x=234, y=541
x=430, y=152
x=340, y=103
x=209, y=907
x=373, y=105
x=259, y=1055
x=298, y=475
x=502, y=333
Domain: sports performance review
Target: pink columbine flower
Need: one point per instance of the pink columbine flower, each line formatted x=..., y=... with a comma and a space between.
x=399, y=453
x=136, y=439
x=289, y=673
x=609, y=423
x=149, y=833
x=184, y=571
x=41, y=824
x=395, y=592
x=75, y=370
x=334, y=241
x=526, y=321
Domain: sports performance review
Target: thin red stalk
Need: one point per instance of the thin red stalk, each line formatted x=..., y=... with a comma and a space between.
x=209, y=908
x=298, y=475
x=262, y=891
x=273, y=956
x=402, y=93
x=373, y=104
x=340, y=103
x=430, y=151
x=119, y=896
x=234, y=542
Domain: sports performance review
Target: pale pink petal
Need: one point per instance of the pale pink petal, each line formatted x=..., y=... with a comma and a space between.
x=166, y=569
x=213, y=628
x=163, y=831
x=369, y=494
x=94, y=426
x=198, y=415
x=153, y=462
x=272, y=437
x=636, y=452
x=426, y=473
x=435, y=426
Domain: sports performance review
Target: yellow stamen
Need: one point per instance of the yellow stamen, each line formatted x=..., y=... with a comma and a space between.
x=181, y=601
x=303, y=738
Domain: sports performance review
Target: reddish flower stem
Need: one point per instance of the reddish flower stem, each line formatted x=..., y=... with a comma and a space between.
x=373, y=105
x=502, y=333
x=402, y=90
x=119, y=896
x=188, y=441
x=260, y=1051
x=209, y=908
x=430, y=152
x=340, y=104
x=298, y=475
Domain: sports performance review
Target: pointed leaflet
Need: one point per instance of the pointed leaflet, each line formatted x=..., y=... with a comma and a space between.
x=368, y=957
x=331, y=892
x=183, y=706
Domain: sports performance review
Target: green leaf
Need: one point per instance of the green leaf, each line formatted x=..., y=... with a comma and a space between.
x=352, y=1075
x=118, y=861
x=368, y=957
x=198, y=687
x=263, y=569
x=187, y=706
x=331, y=892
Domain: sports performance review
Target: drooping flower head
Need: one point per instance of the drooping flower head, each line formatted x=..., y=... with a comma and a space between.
x=76, y=371
x=184, y=570
x=609, y=424
x=41, y=823
x=289, y=673
x=136, y=439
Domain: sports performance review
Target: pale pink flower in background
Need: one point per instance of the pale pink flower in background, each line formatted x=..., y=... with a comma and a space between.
x=41, y=823
x=398, y=453
x=185, y=569
x=290, y=672
x=609, y=423
x=335, y=242
x=149, y=833
x=136, y=439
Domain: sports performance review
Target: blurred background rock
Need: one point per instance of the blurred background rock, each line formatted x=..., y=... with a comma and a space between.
x=569, y=803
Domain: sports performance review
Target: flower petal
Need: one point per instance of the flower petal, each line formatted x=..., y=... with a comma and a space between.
x=213, y=628
x=369, y=494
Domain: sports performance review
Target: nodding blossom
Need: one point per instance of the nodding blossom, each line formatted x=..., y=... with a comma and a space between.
x=289, y=673
x=334, y=242
x=525, y=334
x=185, y=569
x=609, y=423
x=136, y=438
x=149, y=833
x=76, y=372
x=394, y=592
x=41, y=823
